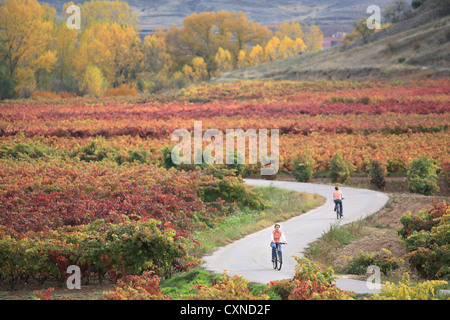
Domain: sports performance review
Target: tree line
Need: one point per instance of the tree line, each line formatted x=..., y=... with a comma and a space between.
x=38, y=51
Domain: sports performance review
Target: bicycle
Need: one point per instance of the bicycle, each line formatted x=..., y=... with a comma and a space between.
x=278, y=260
x=337, y=208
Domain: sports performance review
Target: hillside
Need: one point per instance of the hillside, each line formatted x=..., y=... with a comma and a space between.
x=418, y=47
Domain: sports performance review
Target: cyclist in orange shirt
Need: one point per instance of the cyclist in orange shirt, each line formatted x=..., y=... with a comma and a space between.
x=337, y=198
x=277, y=238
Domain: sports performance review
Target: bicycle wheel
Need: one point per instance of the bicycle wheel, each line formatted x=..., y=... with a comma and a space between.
x=280, y=260
x=275, y=263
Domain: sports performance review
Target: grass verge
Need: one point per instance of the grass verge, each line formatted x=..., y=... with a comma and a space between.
x=284, y=204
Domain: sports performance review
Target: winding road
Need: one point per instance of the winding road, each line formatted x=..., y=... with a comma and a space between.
x=250, y=257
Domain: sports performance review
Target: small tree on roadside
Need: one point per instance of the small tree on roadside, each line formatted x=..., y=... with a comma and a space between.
x=303, y=168
x=422, y=176
x=377, y=175
x=340, y=169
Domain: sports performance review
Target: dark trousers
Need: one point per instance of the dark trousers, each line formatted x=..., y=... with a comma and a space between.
x=339, y=203
x=274, y=251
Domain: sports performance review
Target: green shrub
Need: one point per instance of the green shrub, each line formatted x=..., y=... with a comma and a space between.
x=422, y=176
x=340, y=169
x=383, y=259
x=396, y=166
x=404, y=290
x=427, y=239
x=231, y=189
x=310, y=282
x=303, y=168
x=377, y=175
x=131, y=247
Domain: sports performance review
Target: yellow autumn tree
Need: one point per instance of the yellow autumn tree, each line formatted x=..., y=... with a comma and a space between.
x=93, y=83
x=65, y=47
x=223, y=61
x=291, y=29
x=272, y=49
x=313, y=38
x=114, y=48
x=242, y=60
x=245, y=32
x=301, y=46
x=26, y=30
x=156, y=56
x=108, y=12
x=197, y=33
x=256, y=56
x=200, y=71
x=188, y=73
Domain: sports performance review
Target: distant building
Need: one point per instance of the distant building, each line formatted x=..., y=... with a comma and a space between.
x=332, y=41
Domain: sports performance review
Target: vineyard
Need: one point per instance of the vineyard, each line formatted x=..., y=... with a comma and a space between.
x=84, y=181
x=392, y=123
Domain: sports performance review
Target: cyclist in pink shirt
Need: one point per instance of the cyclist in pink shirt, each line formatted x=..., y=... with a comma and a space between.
x=337, y=198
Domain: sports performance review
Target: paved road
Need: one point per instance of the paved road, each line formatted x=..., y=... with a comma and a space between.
x=250, y=257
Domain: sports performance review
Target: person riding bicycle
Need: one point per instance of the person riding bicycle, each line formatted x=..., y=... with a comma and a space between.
x=277, y=237
x=337, y=198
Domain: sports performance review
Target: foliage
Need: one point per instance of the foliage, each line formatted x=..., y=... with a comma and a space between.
x=383, y=259
x=144, y=287
x=93, y=83
x=184, y=284
x=397, y=11
x=130, y=247
x=310, y=282
x=340, y=169
x=26, y=33
x=227, y=288
x=422, y=176
x=404, y=290
x=427, y=238
x=303, y=168
x=232, y=189
x=377, y=175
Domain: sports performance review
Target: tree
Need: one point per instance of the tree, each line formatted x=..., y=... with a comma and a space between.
x=397, y=11
x=257, y=55
x=223, y=61
x=199, y=69
x=292, y=30
x=313, y=38
x=340, y=169
x=65, y=48
x=242, y=60
x=26, y=29
x=107, y=12
x=6, y=83
x=360, y=30
x=93, y=83
x=114, y=48
x=156, y=56
x=272, y=49
x=301, y=46
x=422, y=176
x=197, y=33
x=245, y=32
